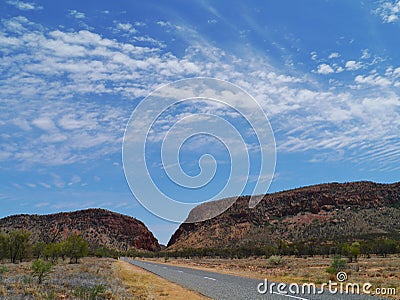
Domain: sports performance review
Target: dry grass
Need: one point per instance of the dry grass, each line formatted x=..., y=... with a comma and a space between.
x=379, y=271
x=92, y=278
x=89, y=279
x=146, y=285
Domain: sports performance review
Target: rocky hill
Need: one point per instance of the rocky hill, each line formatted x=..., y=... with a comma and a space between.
x=321, y=213
x=99, y=227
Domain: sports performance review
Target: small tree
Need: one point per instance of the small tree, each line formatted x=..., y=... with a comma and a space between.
x=76, y=247
x=355, y=250
x=338, y=264
x=38, y=249
x=53, y=251
x=4, y=246
x=40, y=269
x=18, y=245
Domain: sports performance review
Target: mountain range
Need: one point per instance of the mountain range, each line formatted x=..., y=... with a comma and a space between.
x=324, y=212
x=100, y=227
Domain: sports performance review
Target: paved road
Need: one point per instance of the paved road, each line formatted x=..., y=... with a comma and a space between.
x=222, y=286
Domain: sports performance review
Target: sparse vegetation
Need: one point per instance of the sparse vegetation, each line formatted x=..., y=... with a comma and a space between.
x=99, y=227
x=92, y=278
x=89, y=293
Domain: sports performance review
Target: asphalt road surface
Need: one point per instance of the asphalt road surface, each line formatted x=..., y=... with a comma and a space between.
x=222, y=286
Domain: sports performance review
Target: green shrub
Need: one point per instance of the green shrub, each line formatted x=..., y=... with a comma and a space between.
x=3, y=269
x=338, y=264
x=275, y=260
x=41, y=269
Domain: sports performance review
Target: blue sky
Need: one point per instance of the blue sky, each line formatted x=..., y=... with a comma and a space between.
x=327, y=74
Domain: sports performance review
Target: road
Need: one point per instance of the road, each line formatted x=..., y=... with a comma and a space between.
x=222, y=286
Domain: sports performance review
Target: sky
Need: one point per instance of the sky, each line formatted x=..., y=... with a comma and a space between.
x=326, y=74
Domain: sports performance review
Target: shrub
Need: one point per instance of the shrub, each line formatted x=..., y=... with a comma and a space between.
x=275, y=260
x=3, y=269
x=338, y=264
x=40, y=269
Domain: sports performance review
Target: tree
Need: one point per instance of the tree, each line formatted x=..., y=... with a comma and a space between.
x=40, y=269
x=18, y=245
x=338, y=264
x=38, y=249
x=4, y=246
x=76, y=247
x=53, y=251
x=355, y=250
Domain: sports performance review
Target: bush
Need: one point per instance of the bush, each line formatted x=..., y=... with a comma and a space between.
x=40, y=269
x=338, y=264
x=275, y=260
x=3, y=269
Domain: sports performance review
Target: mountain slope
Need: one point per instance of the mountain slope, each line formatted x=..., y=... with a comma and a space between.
x=99, y=227
x=321, y=212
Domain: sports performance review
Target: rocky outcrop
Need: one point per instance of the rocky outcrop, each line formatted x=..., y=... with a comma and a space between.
x=325, y=211
x=100, y=227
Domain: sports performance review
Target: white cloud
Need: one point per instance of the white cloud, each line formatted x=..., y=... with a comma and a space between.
x=352, y=65
x=339, y=69
x=44, y=123
x=365, y=54
x=373, y=80
x=21, y=123
x=164, y=23
x=61, y=74
x=334, y=55
x=126, y=27
x=392, y=18
x=76, y=14
x=314, y=55
x=325, y=69
x=45, y=185
x=24, y=5
x=389, y=11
